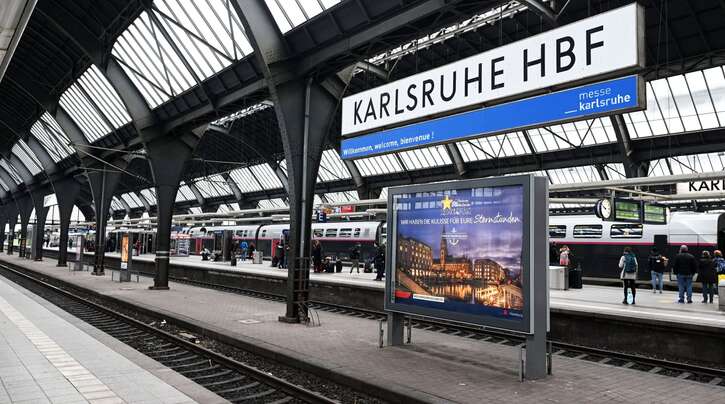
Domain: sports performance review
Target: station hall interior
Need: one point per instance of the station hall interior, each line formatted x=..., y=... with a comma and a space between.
x=371, y=200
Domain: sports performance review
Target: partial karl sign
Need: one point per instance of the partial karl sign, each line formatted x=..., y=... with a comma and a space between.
x=701, y=187
x=604, y=45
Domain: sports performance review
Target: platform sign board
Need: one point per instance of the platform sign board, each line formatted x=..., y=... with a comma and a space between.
x=627, y=210
x=468, y=251
x=701, y=187
x=603, y=46
x=585, y=102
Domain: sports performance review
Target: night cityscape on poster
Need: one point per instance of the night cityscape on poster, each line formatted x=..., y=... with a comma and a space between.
x=461, y=250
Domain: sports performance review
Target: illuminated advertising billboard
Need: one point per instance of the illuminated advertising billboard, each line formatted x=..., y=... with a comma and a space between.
x=125, y=251
x=462, y=251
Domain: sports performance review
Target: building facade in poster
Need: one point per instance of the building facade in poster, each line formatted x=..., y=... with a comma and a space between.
x=461, y=251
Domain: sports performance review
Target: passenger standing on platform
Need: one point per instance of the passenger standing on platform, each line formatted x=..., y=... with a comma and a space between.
x=379, y=261
x=251, y=251
x=355, y=258
x=657, y=264
x=316, y=256
x=684, y=265
x=707, y=276
x=628, y=265
x=564, y=259
x=243, y=250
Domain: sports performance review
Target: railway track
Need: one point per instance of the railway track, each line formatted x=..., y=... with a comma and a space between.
x=698, y=373
x=228, y=378
x=659, y=366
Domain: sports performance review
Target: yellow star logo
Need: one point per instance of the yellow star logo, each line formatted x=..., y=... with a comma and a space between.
x=447, y=203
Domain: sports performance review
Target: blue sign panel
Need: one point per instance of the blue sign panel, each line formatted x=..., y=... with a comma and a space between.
x=607, y=97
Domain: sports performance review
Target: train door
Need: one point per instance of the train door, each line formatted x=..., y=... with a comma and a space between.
x=721, y=232
x=660, y=243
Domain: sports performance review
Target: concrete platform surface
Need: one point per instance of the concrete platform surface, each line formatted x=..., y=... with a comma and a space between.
x=601, y=300
x=435, y=368
x=46, y=359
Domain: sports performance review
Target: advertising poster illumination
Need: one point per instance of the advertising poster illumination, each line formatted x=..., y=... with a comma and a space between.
x=125, y=251
x=462, y=251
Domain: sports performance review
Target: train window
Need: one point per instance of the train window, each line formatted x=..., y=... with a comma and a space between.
x=316, y=233
x=557, y=231
x=331, y=233
x=626, y=231
x=357, y=233
x=588, y=231
x=346, y=233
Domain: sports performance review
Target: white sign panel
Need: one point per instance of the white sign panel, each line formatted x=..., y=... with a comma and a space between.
x=602, y=45
x=50, y=200
x=701, y=187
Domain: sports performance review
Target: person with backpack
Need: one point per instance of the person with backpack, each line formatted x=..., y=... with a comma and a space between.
x=628, y=265
x=707, y=276
x=684, y=265
x=355, y=258
x=379, y=261
x=657, y=264
x=564, y=253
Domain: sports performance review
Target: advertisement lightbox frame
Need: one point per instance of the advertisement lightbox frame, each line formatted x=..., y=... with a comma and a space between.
x=535, y=246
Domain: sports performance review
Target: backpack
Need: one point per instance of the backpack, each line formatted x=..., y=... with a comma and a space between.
x=630, y=264
x=720, y=265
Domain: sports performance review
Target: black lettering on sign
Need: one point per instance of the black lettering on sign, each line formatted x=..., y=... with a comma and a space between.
x=413, y=99
x=476, y=79
x=592, y=45
x=540, y=61
x=568, y=53
x=495, y=73
x=428, y=85
x=445, y=97
x=691, y=187
x=384, y=101
x=370, y=110
x=357, y=118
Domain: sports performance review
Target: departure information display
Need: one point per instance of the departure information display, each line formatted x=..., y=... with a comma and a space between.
x=626, y=210
x=655, y=213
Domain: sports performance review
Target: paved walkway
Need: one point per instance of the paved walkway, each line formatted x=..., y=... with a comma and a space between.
x=436, y=367
x=605, y=300
x=45, y=359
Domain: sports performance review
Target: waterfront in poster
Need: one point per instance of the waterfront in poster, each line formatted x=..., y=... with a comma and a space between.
x=461, y=250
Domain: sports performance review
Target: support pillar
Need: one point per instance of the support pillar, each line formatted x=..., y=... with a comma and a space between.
x=166, y=157
x=41, y=213
x=12, y=221
x=103, y=182
x=303, y=113
x=3, y=222
x=66, y=192
x=25, y=208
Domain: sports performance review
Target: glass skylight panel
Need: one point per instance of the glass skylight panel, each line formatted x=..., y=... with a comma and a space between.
x=84, y=113
x=116, y=205
x=489, y=147
x=52, y=137
x=428, y=157
x=150, y=195
x=245, y=180
x=283, y=167
x=615, y=171
x=195, y=210
x=383, y=193
x=698, y=163
x=667, y=105
x=266, y=176
x=23, y=152
x=150, y=62
x=573, y=175
x=104, y=96
x=184, y=193
x=291, y=13
x=700, y=93
x=213, y=186
x=271, y=203
x=571, y=135
x=658, y=168
x=207, y=33
x=331, y=167
x=340, y=197
x=132, y=200
x=715, y=79
x=378, y=165
x=11, y=171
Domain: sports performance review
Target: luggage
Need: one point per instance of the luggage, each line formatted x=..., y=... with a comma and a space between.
x=338, y=266
x=275, y=261
x=367, y=268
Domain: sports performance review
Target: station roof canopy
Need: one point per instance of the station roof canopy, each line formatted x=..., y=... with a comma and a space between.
x=193, y=64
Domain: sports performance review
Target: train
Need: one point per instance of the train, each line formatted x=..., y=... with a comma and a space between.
x=597, y=245
x=337, y=239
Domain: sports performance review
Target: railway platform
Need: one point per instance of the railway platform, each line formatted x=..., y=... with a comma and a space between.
x=435, y=368
x=48, y=356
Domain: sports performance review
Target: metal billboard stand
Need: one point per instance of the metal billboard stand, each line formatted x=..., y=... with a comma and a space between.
x=124, y=272
x=535, y=354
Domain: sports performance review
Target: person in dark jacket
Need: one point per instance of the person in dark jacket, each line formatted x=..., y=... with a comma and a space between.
x=317, y=256
x=379, y=261
x=355, y=258
x=684, y=265
x=656, y=264
x=707, y=276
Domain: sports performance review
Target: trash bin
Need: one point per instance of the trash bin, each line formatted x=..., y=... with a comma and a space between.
x=257, y=257
x=558, y=278
x=575, y=278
